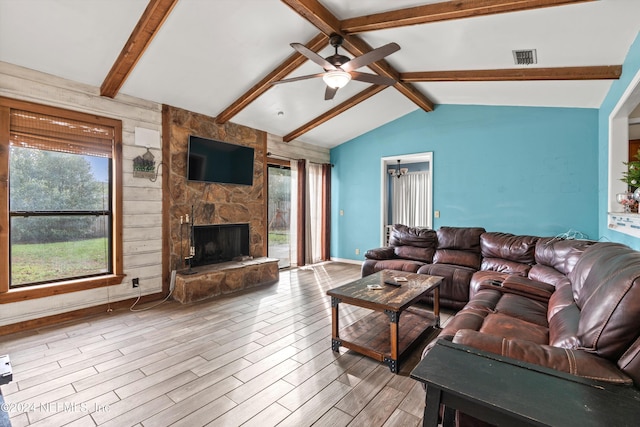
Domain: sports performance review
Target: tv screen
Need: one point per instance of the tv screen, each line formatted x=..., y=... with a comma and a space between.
x=216, y=161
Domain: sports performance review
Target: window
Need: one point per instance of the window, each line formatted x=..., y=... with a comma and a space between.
x=60, y=189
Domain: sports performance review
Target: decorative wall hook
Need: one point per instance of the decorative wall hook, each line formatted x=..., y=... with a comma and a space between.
x=144, y=166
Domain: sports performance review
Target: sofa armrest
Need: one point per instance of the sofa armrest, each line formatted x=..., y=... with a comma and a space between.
x=575, y=362
x=381, y=253
x=524, y=286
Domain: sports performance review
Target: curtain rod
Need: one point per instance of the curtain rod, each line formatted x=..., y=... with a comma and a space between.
x=270, y=154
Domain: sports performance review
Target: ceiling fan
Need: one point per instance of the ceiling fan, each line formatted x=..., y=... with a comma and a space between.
x=339, y=69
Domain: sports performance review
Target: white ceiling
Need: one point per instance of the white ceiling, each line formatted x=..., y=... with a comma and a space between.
x=209, y=52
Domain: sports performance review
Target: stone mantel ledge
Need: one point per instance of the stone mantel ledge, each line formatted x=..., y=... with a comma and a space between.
x=224, y=278
x=627, y=223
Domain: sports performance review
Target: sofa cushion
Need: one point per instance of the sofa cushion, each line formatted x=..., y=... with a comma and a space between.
x=509, y=327
x=563, y=327
x=459, y=246
x=550, y=275
x=454, y=289
x=461, y=238
x=519, y=249
x=370, y=266
x=380, y=253
x=455, y=257
x=606, y=288
x=402, y=235
x=630, y=361
x=575, y=362
x=414, y=253
x=560, y=299
x=523, y=308
x=505, y=266
x=560, y=254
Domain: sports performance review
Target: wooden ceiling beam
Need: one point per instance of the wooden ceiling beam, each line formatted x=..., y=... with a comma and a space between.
x=145, y=30
x=318, y=15
x=339, y=109
x=356, y=46
x=287, y=67
x=444, y=11
x=604, y=72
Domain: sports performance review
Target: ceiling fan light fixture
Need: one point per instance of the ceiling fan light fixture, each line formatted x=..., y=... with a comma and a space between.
x=336, y=79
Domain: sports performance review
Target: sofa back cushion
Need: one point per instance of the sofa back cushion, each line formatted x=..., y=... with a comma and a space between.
x=402, y=235
x=459, y=246
x=606, y=288
x=560, y=254
x=507, y=253
x=415, y=253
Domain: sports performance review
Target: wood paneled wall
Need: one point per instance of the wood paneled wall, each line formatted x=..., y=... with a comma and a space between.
x=142, y=199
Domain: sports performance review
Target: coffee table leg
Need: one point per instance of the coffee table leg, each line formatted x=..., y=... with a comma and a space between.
x=335, y=325
x=392, y=361
x=436, y=306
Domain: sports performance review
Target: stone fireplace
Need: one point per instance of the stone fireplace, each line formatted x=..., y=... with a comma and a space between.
x=207, y=204
x=219, y=243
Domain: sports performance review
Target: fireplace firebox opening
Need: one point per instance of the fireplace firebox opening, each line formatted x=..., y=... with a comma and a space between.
x=216, y=243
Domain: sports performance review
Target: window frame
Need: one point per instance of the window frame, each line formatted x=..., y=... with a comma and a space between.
x=9, y=295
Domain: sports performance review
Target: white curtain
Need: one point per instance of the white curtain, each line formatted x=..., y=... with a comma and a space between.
x=314, y=213
x=410, y=199
x=293, y=216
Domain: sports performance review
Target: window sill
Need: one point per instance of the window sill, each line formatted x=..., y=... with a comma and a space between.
x=58, y=288
x=627, y=223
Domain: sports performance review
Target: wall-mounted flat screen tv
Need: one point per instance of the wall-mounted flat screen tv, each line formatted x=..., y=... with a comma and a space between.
x=209, y=160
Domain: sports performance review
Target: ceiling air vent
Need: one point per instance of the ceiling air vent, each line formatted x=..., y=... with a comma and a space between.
x=525, y=57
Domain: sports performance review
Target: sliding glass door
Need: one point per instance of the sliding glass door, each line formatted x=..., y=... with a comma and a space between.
x=279, y=214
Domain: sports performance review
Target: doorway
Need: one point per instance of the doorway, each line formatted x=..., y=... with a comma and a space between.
x=279, y=213
x=419, y=164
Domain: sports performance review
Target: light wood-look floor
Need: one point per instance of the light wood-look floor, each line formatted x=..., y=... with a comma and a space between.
x=259, y=358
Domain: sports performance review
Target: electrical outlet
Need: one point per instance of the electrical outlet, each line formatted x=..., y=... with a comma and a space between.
x=135, y=282
x=357, y=251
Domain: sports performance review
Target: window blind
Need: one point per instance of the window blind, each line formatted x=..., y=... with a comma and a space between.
x=45, y=132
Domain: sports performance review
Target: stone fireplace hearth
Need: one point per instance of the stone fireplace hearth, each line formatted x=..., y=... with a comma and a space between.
x=224, y=278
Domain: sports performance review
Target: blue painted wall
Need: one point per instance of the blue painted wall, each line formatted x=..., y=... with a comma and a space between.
x=630, y=68
x=522, y=170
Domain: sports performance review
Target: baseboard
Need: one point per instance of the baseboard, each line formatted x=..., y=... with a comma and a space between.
x=75, y=314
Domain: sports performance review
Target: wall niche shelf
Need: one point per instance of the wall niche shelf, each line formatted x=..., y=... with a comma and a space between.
x=627, y=223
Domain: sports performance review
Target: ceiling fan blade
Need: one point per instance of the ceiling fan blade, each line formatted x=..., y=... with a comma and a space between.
x=295, y=79
x=302, y=49
x=370, y=57
x=372, y=78
x=329, y=93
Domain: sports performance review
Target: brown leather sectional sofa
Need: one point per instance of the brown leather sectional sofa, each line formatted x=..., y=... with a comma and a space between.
x=450, y=252
x=569, y=305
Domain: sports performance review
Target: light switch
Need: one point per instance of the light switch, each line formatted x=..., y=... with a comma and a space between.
x=436, y=214
x=341, y=212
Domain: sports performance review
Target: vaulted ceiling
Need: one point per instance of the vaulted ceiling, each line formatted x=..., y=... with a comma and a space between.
x=220, y=57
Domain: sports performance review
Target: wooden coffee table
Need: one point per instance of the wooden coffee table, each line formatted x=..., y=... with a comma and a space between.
x=384, y=334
